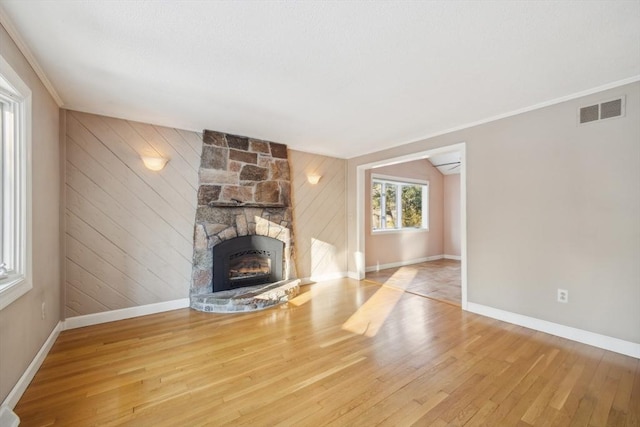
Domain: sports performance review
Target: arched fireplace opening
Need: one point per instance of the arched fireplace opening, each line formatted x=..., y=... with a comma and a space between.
x=247, y=261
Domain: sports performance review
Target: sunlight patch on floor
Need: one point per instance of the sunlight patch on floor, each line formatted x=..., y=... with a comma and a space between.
x=401, y=278
x=439, y=280
x=301, y=299
x=372, y=314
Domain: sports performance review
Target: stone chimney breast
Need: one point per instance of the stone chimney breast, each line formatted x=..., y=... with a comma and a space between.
x=244, y=189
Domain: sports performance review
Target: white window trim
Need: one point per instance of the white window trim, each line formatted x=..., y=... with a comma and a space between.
x=425, y=204
x=19, y=280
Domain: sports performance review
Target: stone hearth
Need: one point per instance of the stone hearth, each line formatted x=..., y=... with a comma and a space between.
x=250, y=298
x=244, y=189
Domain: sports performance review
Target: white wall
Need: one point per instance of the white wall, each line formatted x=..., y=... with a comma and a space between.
x=22, y=328
x=451, y=214
x=550, y=205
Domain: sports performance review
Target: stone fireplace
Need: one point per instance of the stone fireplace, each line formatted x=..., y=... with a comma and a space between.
x=244, y=191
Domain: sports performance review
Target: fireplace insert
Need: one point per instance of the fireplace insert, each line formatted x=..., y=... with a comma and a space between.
x=246, y=261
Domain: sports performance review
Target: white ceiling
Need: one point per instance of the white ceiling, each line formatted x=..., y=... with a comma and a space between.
x=330, y=77
x=447, y=163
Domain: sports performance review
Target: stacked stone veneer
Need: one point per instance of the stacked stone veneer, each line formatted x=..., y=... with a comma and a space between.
x=244, y=189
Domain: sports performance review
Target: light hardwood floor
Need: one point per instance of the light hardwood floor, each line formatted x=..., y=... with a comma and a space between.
x=439, y=280
x=343, y=353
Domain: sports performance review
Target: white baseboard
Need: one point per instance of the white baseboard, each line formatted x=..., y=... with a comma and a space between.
x=402, y=263
x=353, y=275
x=8, y=418
x=124, y=313
x=17, y=391
x=77, y=322
x=456, y=257
x=591, y=338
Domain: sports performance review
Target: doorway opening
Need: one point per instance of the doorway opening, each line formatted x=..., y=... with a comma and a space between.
x=417, y=259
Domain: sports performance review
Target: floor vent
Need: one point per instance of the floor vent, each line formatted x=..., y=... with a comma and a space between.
x=602, y=111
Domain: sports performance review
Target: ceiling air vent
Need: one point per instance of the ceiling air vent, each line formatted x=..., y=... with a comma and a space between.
x=589, y=114
x=602, y=111
x=611, y=109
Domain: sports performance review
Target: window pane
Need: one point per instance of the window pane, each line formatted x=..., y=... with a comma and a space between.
x=16, y=206
x=3, y=183
x=411, y=206
x=8, y=196
x=376, y=199
x=391, y=220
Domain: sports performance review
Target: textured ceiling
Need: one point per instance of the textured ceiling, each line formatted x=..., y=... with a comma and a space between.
x=337, y=78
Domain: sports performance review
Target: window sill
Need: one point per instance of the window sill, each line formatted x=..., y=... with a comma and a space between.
x=12, y=288
x=398, y=231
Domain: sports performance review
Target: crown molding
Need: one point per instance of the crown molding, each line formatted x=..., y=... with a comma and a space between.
x=5, y=21
x=576, y=95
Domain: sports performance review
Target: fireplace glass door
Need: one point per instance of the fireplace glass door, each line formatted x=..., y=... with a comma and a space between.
x=250, y=264
x=247, y=261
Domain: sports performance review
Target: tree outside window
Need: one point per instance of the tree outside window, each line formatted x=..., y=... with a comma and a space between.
x=411, y=206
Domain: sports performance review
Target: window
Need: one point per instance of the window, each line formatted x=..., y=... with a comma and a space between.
x=15, y=203
x=399, y=205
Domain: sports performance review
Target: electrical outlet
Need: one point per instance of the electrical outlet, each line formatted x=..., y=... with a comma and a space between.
x=44, y=310
x=563, y=295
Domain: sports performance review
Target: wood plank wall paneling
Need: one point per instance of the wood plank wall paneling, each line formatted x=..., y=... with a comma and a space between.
x=319, y=213
x=129, y=231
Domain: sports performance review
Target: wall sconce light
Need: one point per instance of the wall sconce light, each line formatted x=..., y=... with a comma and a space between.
x=313, y=178
x=154, y=163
